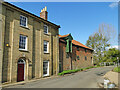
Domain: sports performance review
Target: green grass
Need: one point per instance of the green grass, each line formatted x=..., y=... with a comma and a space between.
x=76, y=70
x=117, y=69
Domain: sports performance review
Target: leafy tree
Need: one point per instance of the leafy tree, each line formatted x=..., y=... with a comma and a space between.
x=111, y=55
x=99, y=41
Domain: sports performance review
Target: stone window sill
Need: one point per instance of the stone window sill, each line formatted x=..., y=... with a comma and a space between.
x=46, y=53
x=24, y=27
x=23, y=50
x=47, y=34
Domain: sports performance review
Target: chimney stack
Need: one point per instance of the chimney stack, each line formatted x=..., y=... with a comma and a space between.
x=43, y=13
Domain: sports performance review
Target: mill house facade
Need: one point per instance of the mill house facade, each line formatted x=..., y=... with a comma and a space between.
x=32, y=47
x=73, y=54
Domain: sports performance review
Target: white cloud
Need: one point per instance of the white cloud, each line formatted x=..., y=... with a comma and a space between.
x=114, y=4
x=115, y=46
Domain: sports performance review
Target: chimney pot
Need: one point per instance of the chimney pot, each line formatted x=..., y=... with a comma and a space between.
x=45, y=8
x=43, y=13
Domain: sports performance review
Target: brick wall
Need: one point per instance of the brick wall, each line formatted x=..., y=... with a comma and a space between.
x=72, y=60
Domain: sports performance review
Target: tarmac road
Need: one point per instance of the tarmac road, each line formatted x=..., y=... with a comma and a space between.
x=84, y=79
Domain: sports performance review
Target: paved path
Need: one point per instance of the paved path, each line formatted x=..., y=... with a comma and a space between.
x=84, y=79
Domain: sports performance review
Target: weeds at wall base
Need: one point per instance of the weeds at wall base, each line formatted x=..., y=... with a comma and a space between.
x=76, y=70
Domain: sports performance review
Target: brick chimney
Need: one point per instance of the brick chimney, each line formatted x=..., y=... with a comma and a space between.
x=43, y=13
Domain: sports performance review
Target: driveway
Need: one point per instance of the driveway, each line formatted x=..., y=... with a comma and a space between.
x=84, y=79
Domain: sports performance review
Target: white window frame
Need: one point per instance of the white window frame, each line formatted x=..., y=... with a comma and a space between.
x=26, y=21
x=47, y=29
x=47, y=68
x=47, y=46
x=25, y=44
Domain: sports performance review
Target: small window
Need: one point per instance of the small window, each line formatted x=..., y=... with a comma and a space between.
x=91, y=52
x=78, y=58
x=85, y=50
x=20, y=61
x=91, y=59
x=23, y=21
x=23, y=42
x=77, y=48
x=67, y=55
x=45, y=29
x=85, y=58
x=45, y=46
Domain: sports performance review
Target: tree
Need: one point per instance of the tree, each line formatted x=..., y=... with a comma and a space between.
x=99, y=41
x=111, y=55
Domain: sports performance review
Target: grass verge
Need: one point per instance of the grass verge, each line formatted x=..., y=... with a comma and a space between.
x=116, y=69
x=76, y=70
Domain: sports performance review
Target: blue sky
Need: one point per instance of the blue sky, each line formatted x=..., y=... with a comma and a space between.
x=81, y=19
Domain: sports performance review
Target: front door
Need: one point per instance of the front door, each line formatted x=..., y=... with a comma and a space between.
x=20, y=74
x=45, y=68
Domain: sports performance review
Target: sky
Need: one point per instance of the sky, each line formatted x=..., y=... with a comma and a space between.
x=81, y=19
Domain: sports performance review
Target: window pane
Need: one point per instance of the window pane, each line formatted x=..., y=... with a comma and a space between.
x=45, y=29
x=22, y=42
x=23, y=20
x=45, y=46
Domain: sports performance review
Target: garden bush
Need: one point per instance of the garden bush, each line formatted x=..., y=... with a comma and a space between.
x=112, y=63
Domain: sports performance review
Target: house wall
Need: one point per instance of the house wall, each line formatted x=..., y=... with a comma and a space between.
x=65, y=62
x=1, y=48
x=35, y=55
x=81, y=63
x=72, y=62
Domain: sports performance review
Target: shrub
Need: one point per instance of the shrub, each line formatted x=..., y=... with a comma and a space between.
x=87, y=68
x=95, y=66
x=91, y=66
x=81, y=69
x=112, y=63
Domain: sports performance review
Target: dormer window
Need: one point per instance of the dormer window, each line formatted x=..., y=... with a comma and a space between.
x=23, y=21
x=45, y=29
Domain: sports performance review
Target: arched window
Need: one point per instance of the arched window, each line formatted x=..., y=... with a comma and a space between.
x=21, y=61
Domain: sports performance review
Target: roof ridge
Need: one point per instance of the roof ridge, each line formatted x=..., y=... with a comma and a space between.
x=75, y=42
x=29, y=13
x=82, y=45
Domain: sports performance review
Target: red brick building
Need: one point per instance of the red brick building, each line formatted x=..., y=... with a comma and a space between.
x=73, y=54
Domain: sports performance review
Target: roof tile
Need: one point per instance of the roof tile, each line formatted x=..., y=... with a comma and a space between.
x=75, y=42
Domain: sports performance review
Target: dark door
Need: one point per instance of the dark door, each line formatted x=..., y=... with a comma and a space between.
x=45, y=68
x=20, y=74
